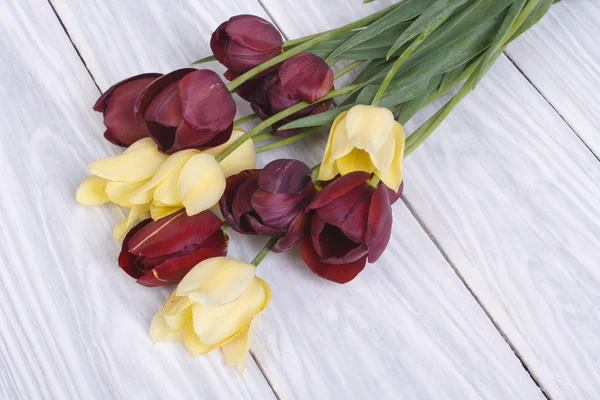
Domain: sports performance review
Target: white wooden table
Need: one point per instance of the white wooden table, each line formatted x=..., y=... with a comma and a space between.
x=490, y=288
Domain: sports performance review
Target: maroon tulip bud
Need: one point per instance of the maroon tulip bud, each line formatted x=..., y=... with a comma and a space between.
x=351, y=223
x=187, y=108
x=304, y=77
x=244, y=42
x=117, y=104
x=270, y=201
x=162, y=252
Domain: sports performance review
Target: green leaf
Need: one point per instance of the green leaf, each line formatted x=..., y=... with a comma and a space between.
x=432, y=14
x=413, y=105
x=540, y=10
x=373, y=48
x=449, y=76
x=324, y=49
x=324, y=118
x=405, y=12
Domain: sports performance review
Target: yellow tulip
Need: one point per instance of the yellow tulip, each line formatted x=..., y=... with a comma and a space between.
x=194, y=179
x=365, y=138
x=217, y=304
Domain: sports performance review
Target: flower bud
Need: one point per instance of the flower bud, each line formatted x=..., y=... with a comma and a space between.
x=162, y=252
x=187, y=108
x=270, y=201
x=216, y=305
x=244, y=42
x=351, y=223
x=304, y=77
x=117, y=104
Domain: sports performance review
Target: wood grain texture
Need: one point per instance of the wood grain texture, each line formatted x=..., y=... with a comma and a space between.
x=511, y=195
x=72, y=325
x=561, y=57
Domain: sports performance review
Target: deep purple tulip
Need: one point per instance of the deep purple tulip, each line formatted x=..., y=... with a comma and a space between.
x=187, y=108
x=351, y=224
x=162, y=252
x=117, y=104
x=304, y=77
x=270, y=201
x=244, y=42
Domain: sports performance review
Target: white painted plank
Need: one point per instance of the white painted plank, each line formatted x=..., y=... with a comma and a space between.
x=511, y=195
x=71, y=324
x=406, y=328
x=561, y=57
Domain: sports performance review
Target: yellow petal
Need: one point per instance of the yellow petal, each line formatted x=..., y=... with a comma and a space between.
x=356, y=160
x=163, y=185
x=235, y=351
x=328, y=169
x=242, y=158
x=193, y=343
x=92, y=191
x=217, y=281
x=341, y=144
x=136, y=215
x=120, y=192
x=214, y=325
x=215, y=151
x=179, y=313
x=136, y=164
x=392, y=178
x=369, y=127
x=160, y=331
x=384, y=157
x=158, y=212
x=201, y=183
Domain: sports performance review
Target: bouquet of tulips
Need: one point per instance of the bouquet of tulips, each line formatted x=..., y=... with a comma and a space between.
x=185, y=155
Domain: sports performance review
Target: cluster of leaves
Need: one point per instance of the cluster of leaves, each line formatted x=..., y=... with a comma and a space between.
x=441, y=42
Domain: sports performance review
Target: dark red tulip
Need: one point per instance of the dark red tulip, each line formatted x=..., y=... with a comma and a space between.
x=244, y=42
x=270, y=201
x=162, y=252
x=351, y=224
x=117, y=104
x=186, y=109
x=304, y=77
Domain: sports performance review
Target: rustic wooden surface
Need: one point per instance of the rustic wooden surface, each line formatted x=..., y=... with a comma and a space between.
x=490, y=287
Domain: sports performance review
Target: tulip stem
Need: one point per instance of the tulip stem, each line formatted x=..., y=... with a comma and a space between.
x=307, y=45
x=244, y=119
x=278, y=117
x=374, y=181
x=204, y=60
x=286, y=141
x=315, y=172
x=264, y=251
x=404, y=56
x=225, y=226
x=347, y=68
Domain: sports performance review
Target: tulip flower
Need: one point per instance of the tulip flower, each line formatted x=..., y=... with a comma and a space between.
x=303, y=77
x=365, y=138
x=244, y=42
x=162, y=252
x=270, y=201
x=217, y=304
x=187, y=109
x=351, y=223
x=117, y=104
x=194, y=179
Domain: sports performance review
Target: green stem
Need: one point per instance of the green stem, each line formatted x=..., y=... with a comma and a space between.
x=225, y=226
x=204, y=60
x=264, y=251
x=286, y=141
x=244, y=119
x=347, y=68
x=374, y=181
x=278, y=117
x=315, y=172
x=307, y=45
x=264, y=136
x=404, y=56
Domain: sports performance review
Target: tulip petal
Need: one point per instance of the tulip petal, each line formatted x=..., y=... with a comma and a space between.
x=136, y=164
x=217, y=281
x=392, y=178
x=294, y=234
x=254, y=32
x=379, y=227
x=338, y=188
x=285, y=176
x=242, y=200
x=213, y=325
x=382, y=160
x=165, y=108
x=341, y=144
x=163, y=185
x=201, y=183
x=129, y=262
x=157, y=211
x=137, y=214
x=356, y=160
x=235, y=352
x=332, y=245
x=192, y=342
x=278, y=210
x=242, y=158
x=92, y=191
x=341, y=273
x=179, y=314
x=369, y=127
x=120, y=192
x=160, y=331
x=174, y=234
x=226, y=201
x=306, y=76
x=328, y=169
